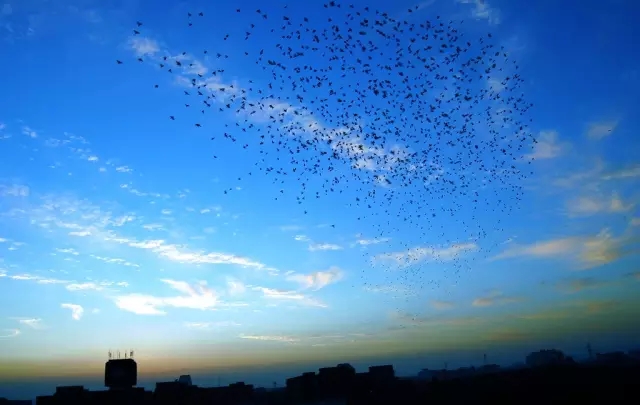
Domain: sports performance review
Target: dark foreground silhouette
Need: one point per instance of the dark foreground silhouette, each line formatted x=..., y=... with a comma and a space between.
x=612, y=379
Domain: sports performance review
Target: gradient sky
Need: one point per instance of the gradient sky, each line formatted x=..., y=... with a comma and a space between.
x=115, y=232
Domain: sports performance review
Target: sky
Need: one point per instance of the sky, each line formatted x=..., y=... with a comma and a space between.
x=119, y=230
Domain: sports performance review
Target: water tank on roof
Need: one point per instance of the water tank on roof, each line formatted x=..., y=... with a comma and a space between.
x=120, y=373
x=185, y=379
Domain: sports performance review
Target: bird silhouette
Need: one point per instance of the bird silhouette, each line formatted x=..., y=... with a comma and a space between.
x=415, y=125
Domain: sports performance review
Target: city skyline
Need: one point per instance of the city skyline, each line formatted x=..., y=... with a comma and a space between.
x=119, y=230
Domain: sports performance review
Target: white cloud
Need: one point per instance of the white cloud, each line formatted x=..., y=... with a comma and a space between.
x=420, y=254
x=301, y=238
x=143, y=46
x=80, y=233
x=183, y=255
x=120, y=221
x=165, y=212
x=93, y=159
x=76, y=310
x=197, y=296
x=599, y=130
x=324, y=246
x=319, y=279
x=87, y=286
x=235, y=287
x=283, y=295
x=115, y=261
x=483, y=11
x=123, y=169
x=31, y=277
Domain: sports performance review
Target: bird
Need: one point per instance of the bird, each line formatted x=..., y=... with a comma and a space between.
x=412, y=125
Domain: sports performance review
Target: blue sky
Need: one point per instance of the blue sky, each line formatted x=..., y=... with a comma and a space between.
x=116, y=231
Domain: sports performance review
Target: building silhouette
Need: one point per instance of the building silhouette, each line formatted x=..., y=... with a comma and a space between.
x=545, y=358
x=607, y=378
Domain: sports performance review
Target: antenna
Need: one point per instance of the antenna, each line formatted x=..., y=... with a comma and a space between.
x=445, y=365
x=131, y=354
x=485, y=359
x=118, y=354
x=110, y=355
x=589, y=350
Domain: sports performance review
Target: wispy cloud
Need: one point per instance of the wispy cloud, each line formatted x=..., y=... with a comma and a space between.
x=210, y=325
x=438, y=304
x=318, y=279
x=14, y=190
x=586, y=251
x=235, y=287
x=291, y=228
x=599, y=130
x=285, y=339
x=481, y=10
x=123, y=169
x=580, y=284
x=495, y=298
x=288, y=296
x=34, y=323
x=143, y=46
x=595, y=204
x=422, y=254
x=29, y=132
x=374, y=241
x=324, y=246
x=547, y=146
x=9, y=333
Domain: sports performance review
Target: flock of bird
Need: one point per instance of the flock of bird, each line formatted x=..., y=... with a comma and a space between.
x=422, y=124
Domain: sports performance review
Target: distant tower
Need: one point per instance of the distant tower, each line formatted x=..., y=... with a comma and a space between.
x=589, y=351
x=445, y=365
x=484, y=360
x=120, y=374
